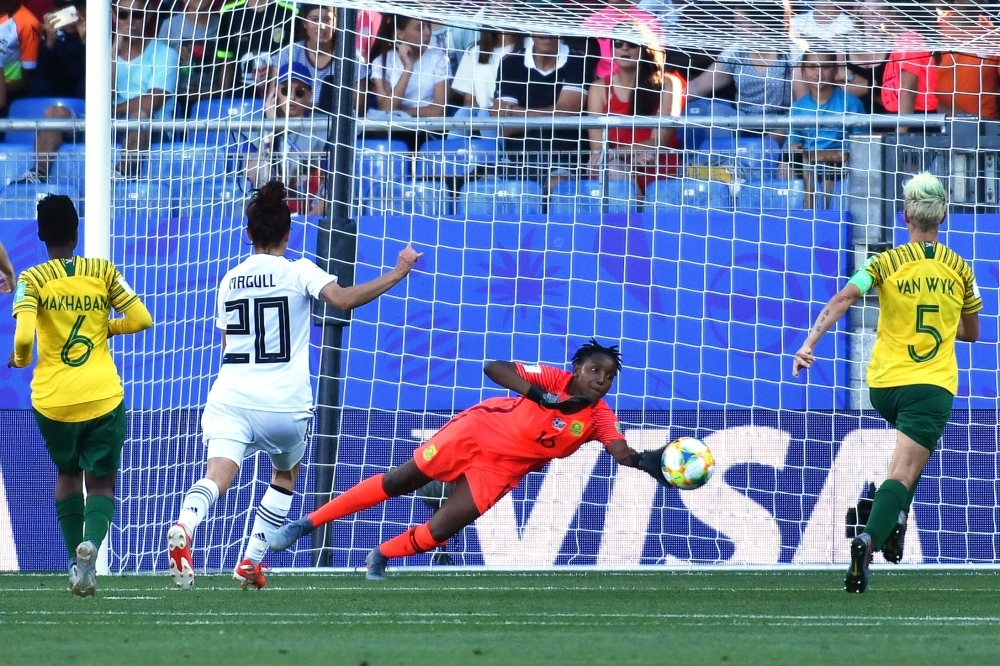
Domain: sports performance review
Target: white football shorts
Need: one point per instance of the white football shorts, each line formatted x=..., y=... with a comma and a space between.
x=235, y=433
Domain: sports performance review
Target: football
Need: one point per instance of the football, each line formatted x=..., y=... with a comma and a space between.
x=687, y=463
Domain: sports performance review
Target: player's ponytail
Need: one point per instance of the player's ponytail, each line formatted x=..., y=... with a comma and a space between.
x=268, y=216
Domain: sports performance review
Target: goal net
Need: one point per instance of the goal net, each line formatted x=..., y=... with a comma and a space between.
x=672, y=178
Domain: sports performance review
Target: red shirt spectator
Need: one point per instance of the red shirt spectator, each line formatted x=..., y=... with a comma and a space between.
x=910, y=78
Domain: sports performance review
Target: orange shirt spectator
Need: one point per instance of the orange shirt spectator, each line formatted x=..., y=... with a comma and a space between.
x=910, y=79
x=20, y=37
x=969, y=84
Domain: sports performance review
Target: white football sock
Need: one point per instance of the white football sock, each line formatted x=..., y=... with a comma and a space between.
x=197, y=503
x=270, y=516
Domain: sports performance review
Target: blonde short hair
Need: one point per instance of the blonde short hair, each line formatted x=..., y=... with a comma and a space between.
x=925, y=201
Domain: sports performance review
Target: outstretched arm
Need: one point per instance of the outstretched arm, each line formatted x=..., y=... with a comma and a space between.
x=647, y=461
x=348, y=298
x=830, y=315
x=505, y=374
x=6, y=272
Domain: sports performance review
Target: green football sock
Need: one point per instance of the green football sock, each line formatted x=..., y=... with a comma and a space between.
x=69, y=511
x=100, y=511
x=889, y=500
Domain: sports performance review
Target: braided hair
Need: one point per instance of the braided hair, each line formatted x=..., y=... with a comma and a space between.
x=592, y=348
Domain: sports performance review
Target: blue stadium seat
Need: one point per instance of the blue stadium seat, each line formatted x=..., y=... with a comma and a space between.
x=415, y=197
x=377, y=162
x=674, y=193
x=778, y=194
x=218, y=109
x=15, y=160
x=495, y=198
x=141, y=199
x=748, y=157
x=455, y=158
x=33, y=108
x=702, y=112
x=588, y=197
x=183, y=160
x=19, y=201
x=218, y=197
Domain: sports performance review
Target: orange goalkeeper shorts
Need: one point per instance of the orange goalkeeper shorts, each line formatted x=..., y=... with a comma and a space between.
x=461, y=448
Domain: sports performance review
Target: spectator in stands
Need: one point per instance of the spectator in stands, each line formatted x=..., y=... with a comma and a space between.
x=62, y=69
x=826, y=23
x=144, y=75
x=762, y=76
x=20, y=36
x=249, y=32
x=824, y=98
x=62, y=58
x=867, y=57
x=476, y=78
x=295, y=156
x=318, y=26
x=967, y=84
x=645, y=25
x=193, y=32
x=545, y=80
x=453, y=41
x=408, y=75
x=909, y=84
x=639, y=86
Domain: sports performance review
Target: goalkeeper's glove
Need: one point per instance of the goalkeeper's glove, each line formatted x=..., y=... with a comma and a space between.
x=552, y=401
x=650, y=462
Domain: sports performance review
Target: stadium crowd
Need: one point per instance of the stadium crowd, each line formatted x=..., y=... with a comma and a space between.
x=173, y=57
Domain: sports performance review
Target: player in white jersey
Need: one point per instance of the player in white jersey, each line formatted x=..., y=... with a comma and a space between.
x=262, y=399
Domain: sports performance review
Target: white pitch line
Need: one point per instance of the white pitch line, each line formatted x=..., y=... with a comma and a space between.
x=433, y=616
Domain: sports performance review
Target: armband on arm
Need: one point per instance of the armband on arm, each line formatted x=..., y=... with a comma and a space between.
x=862, y=280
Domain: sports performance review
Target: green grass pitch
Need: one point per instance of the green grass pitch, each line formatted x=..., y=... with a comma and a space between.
x=906, y=617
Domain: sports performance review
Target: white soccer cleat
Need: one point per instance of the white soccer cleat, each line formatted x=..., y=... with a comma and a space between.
x=179, y=553
x=86, y=576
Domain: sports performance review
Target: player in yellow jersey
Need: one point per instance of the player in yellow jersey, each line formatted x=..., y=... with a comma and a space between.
x=76, y=392
x=928, y=298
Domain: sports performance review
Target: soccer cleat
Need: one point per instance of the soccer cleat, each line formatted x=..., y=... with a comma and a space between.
x=86, y=580
x=861, y=557
x=74, y=573
x=179, y=554
x=375, y=565
x=892, y=549
x=289, y=534
x=249, y=574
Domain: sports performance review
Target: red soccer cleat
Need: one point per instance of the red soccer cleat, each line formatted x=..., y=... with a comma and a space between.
x=249, y=574
x=179, y=552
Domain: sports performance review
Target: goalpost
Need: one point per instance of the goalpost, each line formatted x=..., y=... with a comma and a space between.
x=706, y=273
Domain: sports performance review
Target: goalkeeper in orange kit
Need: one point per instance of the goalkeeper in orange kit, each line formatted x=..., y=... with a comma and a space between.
x=487, y=449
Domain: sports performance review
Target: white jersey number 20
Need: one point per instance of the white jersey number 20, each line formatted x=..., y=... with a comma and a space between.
x=269, y=324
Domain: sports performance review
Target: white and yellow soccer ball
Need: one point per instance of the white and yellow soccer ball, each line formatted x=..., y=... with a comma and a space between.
x=687, y=463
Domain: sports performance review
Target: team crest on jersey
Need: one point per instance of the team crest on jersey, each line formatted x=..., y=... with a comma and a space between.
x=558, y=424
x=429, y=452
x=576, y=428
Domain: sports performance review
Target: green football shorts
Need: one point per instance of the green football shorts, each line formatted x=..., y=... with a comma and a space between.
x=920, y=411
x=93, y=446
